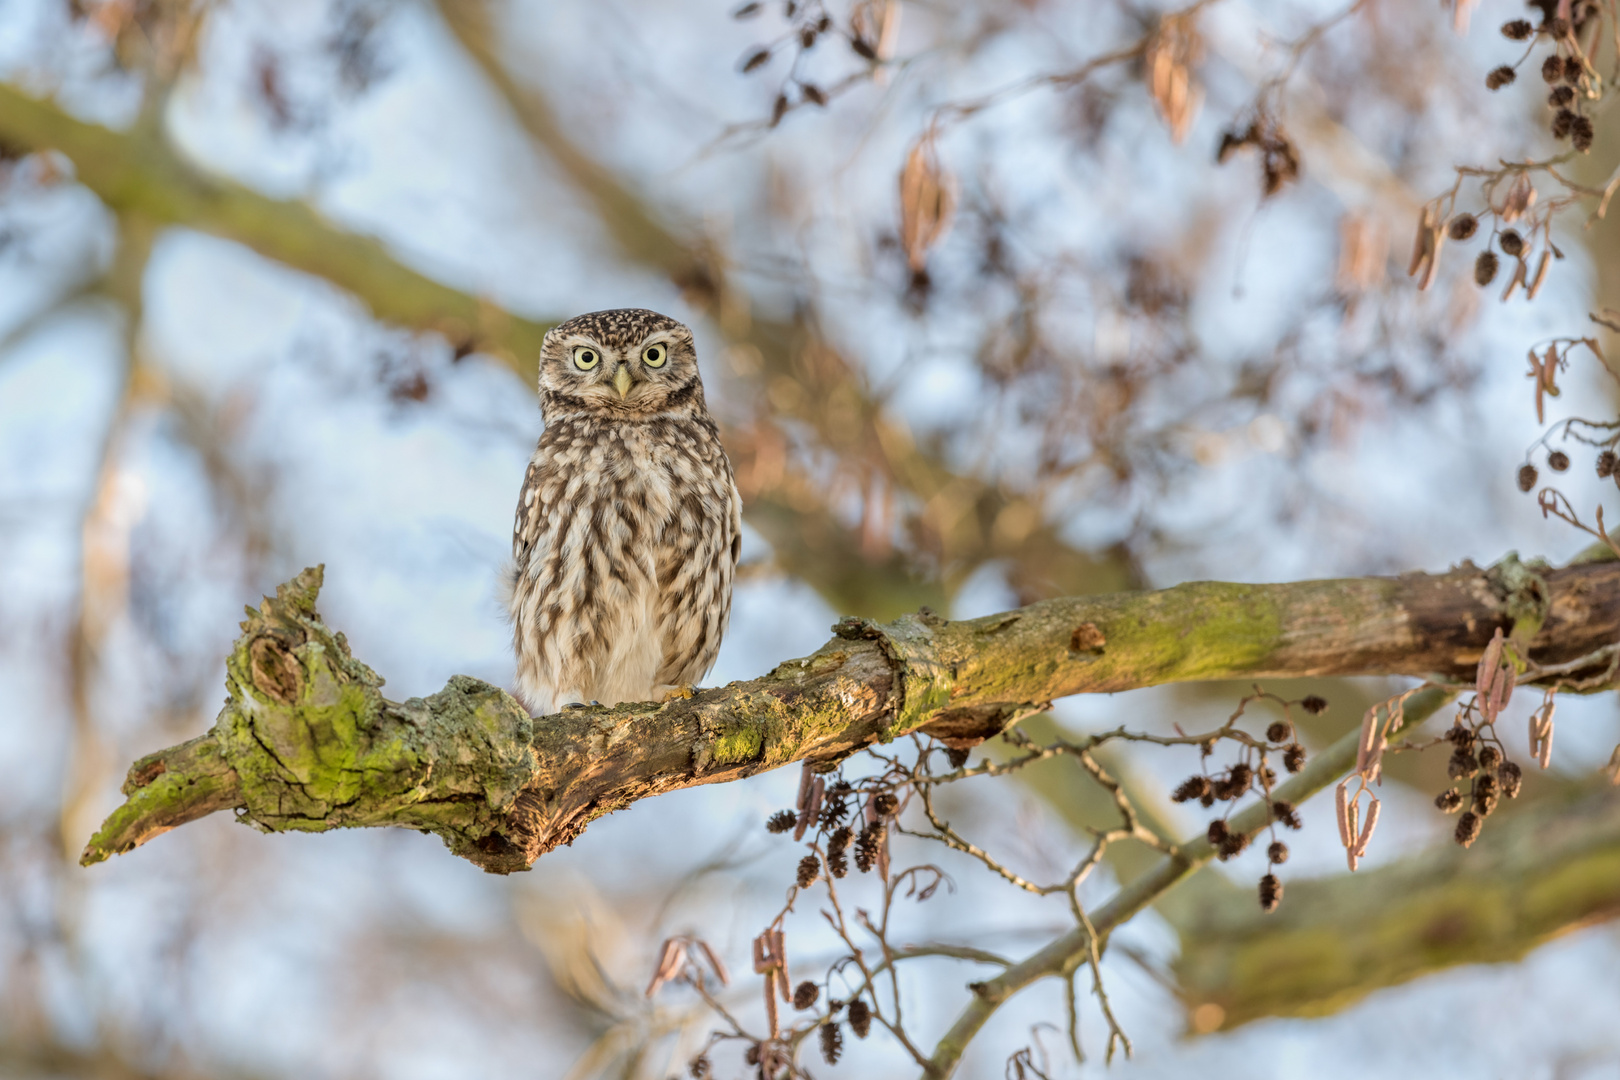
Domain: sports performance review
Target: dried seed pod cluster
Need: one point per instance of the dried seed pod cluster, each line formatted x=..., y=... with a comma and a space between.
x=869, y=847
x=1545, y=365
x=831, y=816
x=1228, y=785
x=835, y=806
x=1544, y=368
x=1478, y=758
x=860, y=1018
x=838, y=851
x=1573, y=31
x=1271, y=891
x=1238, y=779
x=1559, y=461
x=1283, y=812
x=782, y=821
x=1489, y=776
x=805, y=995
x=821, y=812
x=1568, y=69
x=832, y=1042
x=1526, y=252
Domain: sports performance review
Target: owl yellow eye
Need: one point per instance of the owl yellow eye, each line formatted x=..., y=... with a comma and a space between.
x=655, y=355
x=586, y=358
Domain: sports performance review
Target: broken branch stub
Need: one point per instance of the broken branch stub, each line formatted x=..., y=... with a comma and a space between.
x=307, y=742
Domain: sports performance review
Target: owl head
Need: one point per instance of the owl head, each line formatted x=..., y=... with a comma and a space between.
x=622, y=364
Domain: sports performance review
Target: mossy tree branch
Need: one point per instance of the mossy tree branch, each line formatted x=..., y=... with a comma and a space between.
x=307, y=742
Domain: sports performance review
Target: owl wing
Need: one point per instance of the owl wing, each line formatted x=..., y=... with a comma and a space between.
x=537, y=569
x=548, y=589
x=696, y=565
x=530, y=514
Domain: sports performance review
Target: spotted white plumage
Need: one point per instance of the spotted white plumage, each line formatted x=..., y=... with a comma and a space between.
x=628, y=526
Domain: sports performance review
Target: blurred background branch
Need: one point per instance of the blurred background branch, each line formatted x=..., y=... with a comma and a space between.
x=1547, y=870
x=139, y=173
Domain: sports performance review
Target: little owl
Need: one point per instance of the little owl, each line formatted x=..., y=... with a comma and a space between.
x=628, y=525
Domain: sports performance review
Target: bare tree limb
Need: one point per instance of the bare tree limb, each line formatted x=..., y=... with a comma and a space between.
x=635, y=228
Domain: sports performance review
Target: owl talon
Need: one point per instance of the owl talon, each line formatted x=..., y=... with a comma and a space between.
x=678, y=693
x=577, y=705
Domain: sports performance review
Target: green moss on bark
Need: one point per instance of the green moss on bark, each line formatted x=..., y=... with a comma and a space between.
x=316, y=746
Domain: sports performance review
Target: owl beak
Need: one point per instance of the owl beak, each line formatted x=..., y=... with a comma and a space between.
x=621, y=380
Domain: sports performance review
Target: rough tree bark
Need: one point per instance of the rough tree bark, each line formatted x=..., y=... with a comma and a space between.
x=306, y=740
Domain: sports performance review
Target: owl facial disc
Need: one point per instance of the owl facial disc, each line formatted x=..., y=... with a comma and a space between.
x=625, y=364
